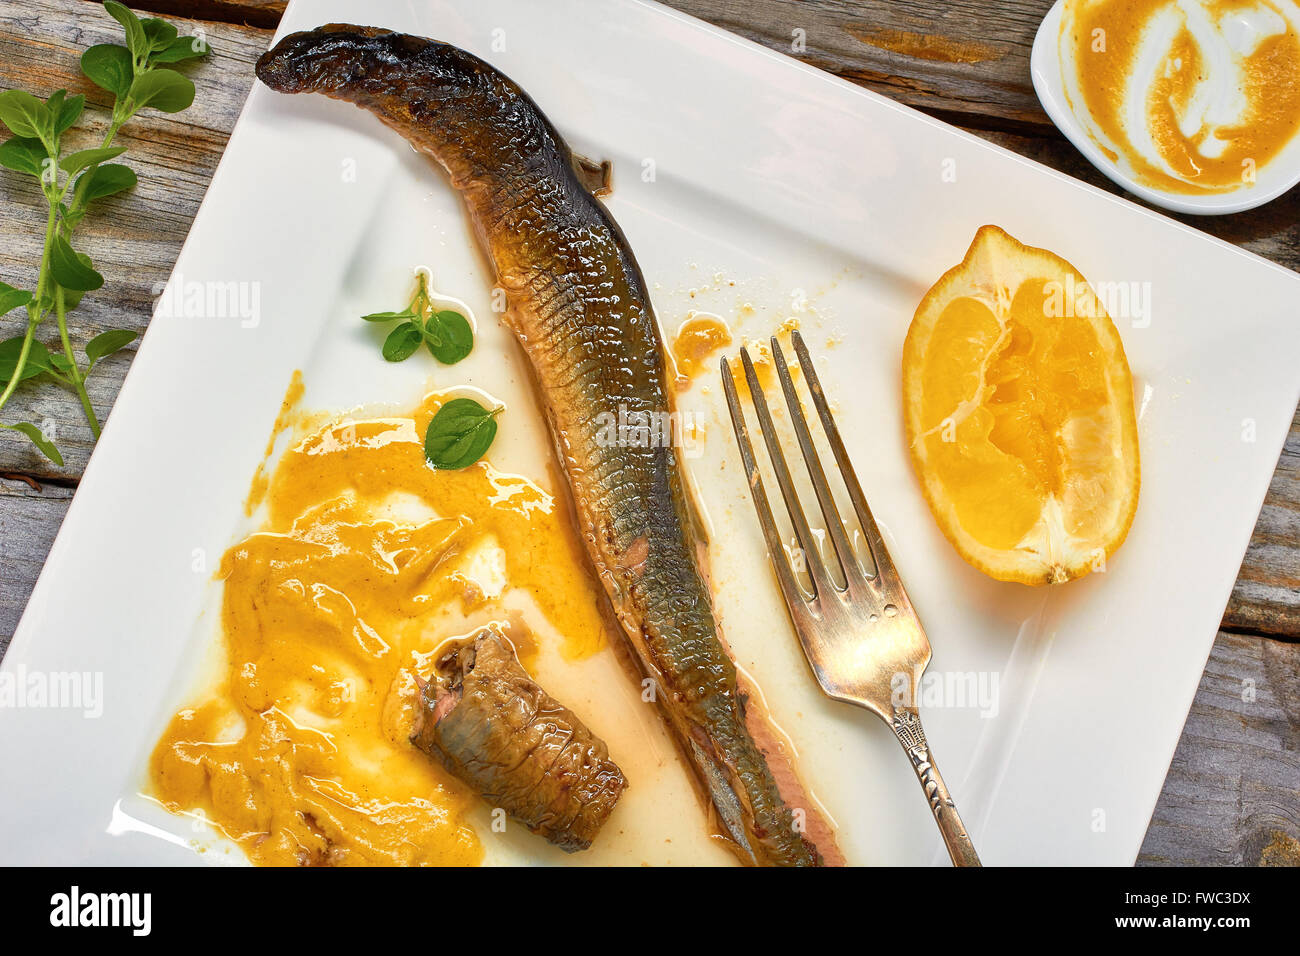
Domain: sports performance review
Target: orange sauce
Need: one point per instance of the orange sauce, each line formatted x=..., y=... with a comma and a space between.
x=261, y=481
x=1189, y=98
x=700, y=336
x=368, y=562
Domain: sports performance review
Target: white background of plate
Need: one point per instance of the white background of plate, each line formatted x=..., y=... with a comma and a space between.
x=780, y=177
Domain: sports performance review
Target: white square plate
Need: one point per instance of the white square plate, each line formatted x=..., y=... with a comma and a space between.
x=820, y=200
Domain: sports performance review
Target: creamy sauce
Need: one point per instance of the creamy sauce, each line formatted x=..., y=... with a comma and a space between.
x=696, y=341
x=1189, y=96
x=368, y=562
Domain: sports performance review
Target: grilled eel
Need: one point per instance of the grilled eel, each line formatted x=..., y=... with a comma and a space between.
x=490, y=724
x=579, y=307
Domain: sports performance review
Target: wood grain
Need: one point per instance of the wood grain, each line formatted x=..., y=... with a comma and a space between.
x=963, y=59
x=134, y=238
x=29, y=519
x=1230, y=797
x=1266, y=597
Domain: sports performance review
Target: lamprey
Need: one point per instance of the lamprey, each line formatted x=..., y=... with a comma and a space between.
x=579, y=307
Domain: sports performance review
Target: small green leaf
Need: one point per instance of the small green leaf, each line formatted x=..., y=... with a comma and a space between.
x=159, y=33
x=136, y=40
x=60, y=362
x=23, y=155
x=449, y=336
x=70, y=270
x=75, y=162
x=108, y=66
x=389, y=316
x=11, y=298
x=182, y=48
x=54, y=103
x=69, y=109
x=460, y=434
x=25, y=115
x=164, y=90
x=108, y=179
x=402, y=342
x=38, y=359
x=72, y=297
x=106, y=343
x=38, y=439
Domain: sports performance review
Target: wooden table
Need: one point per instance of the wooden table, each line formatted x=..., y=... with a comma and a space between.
x=1231, y=795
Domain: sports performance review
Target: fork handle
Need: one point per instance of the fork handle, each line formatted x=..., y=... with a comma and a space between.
x=907, y=728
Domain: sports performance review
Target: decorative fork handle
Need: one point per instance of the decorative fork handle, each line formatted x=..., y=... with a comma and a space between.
x=907, y=728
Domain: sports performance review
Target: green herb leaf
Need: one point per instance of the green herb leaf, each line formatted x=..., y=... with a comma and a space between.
x=164, y=90
x=38, y=359
x=72, y=297
x=108, y=66
x=182, y=48
x=106, y=343
x=460, y=434
x=23, y=155
x=108, y=179
x=136, y=40
x=449, y=336
x=11, y=298
x=389, y=316
x=71, y=270
x=38, y=439
x=75, y=162
x=68, y=111
x=402, y=342
x=159, y=33
x=25, y=115
x=60, y=362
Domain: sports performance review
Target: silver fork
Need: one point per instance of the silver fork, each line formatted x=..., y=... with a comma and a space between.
x=859, y=638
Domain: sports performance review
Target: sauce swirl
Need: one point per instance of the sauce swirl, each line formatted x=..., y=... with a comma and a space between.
x=1187, y=96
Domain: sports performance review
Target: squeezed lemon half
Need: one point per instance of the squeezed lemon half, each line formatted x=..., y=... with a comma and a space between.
x=1018, y=408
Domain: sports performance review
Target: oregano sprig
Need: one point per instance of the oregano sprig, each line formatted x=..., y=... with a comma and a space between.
x=447, y=334
x=138, y=76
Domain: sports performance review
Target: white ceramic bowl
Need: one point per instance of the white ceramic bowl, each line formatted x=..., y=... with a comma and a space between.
x=1271, y=181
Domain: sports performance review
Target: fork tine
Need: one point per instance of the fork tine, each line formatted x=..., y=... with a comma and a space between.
x=834, y=523
x=790, y=588
x=885, y=569
x=816, y=570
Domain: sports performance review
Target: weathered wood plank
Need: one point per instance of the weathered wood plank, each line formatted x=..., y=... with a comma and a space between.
x=964, y=59
x=1230, y=796
x=133, y=238
x=1266, y=597
x=29, y=519
x=254, y=13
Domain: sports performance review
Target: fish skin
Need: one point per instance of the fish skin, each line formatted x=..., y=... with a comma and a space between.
x=491, y=725
x=580, y=309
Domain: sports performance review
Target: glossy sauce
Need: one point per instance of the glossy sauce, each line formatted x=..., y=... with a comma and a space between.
x=1190, y=97
x=697, y=340
x=369, y=561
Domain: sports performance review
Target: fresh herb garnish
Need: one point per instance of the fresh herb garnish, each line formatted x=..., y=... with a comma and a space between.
x=446, y=332
x=131, y=73
x=448, y=336
x=402, y=342
x=460, y=434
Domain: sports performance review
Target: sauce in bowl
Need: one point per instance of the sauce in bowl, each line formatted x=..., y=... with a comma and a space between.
x=1186, y=96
